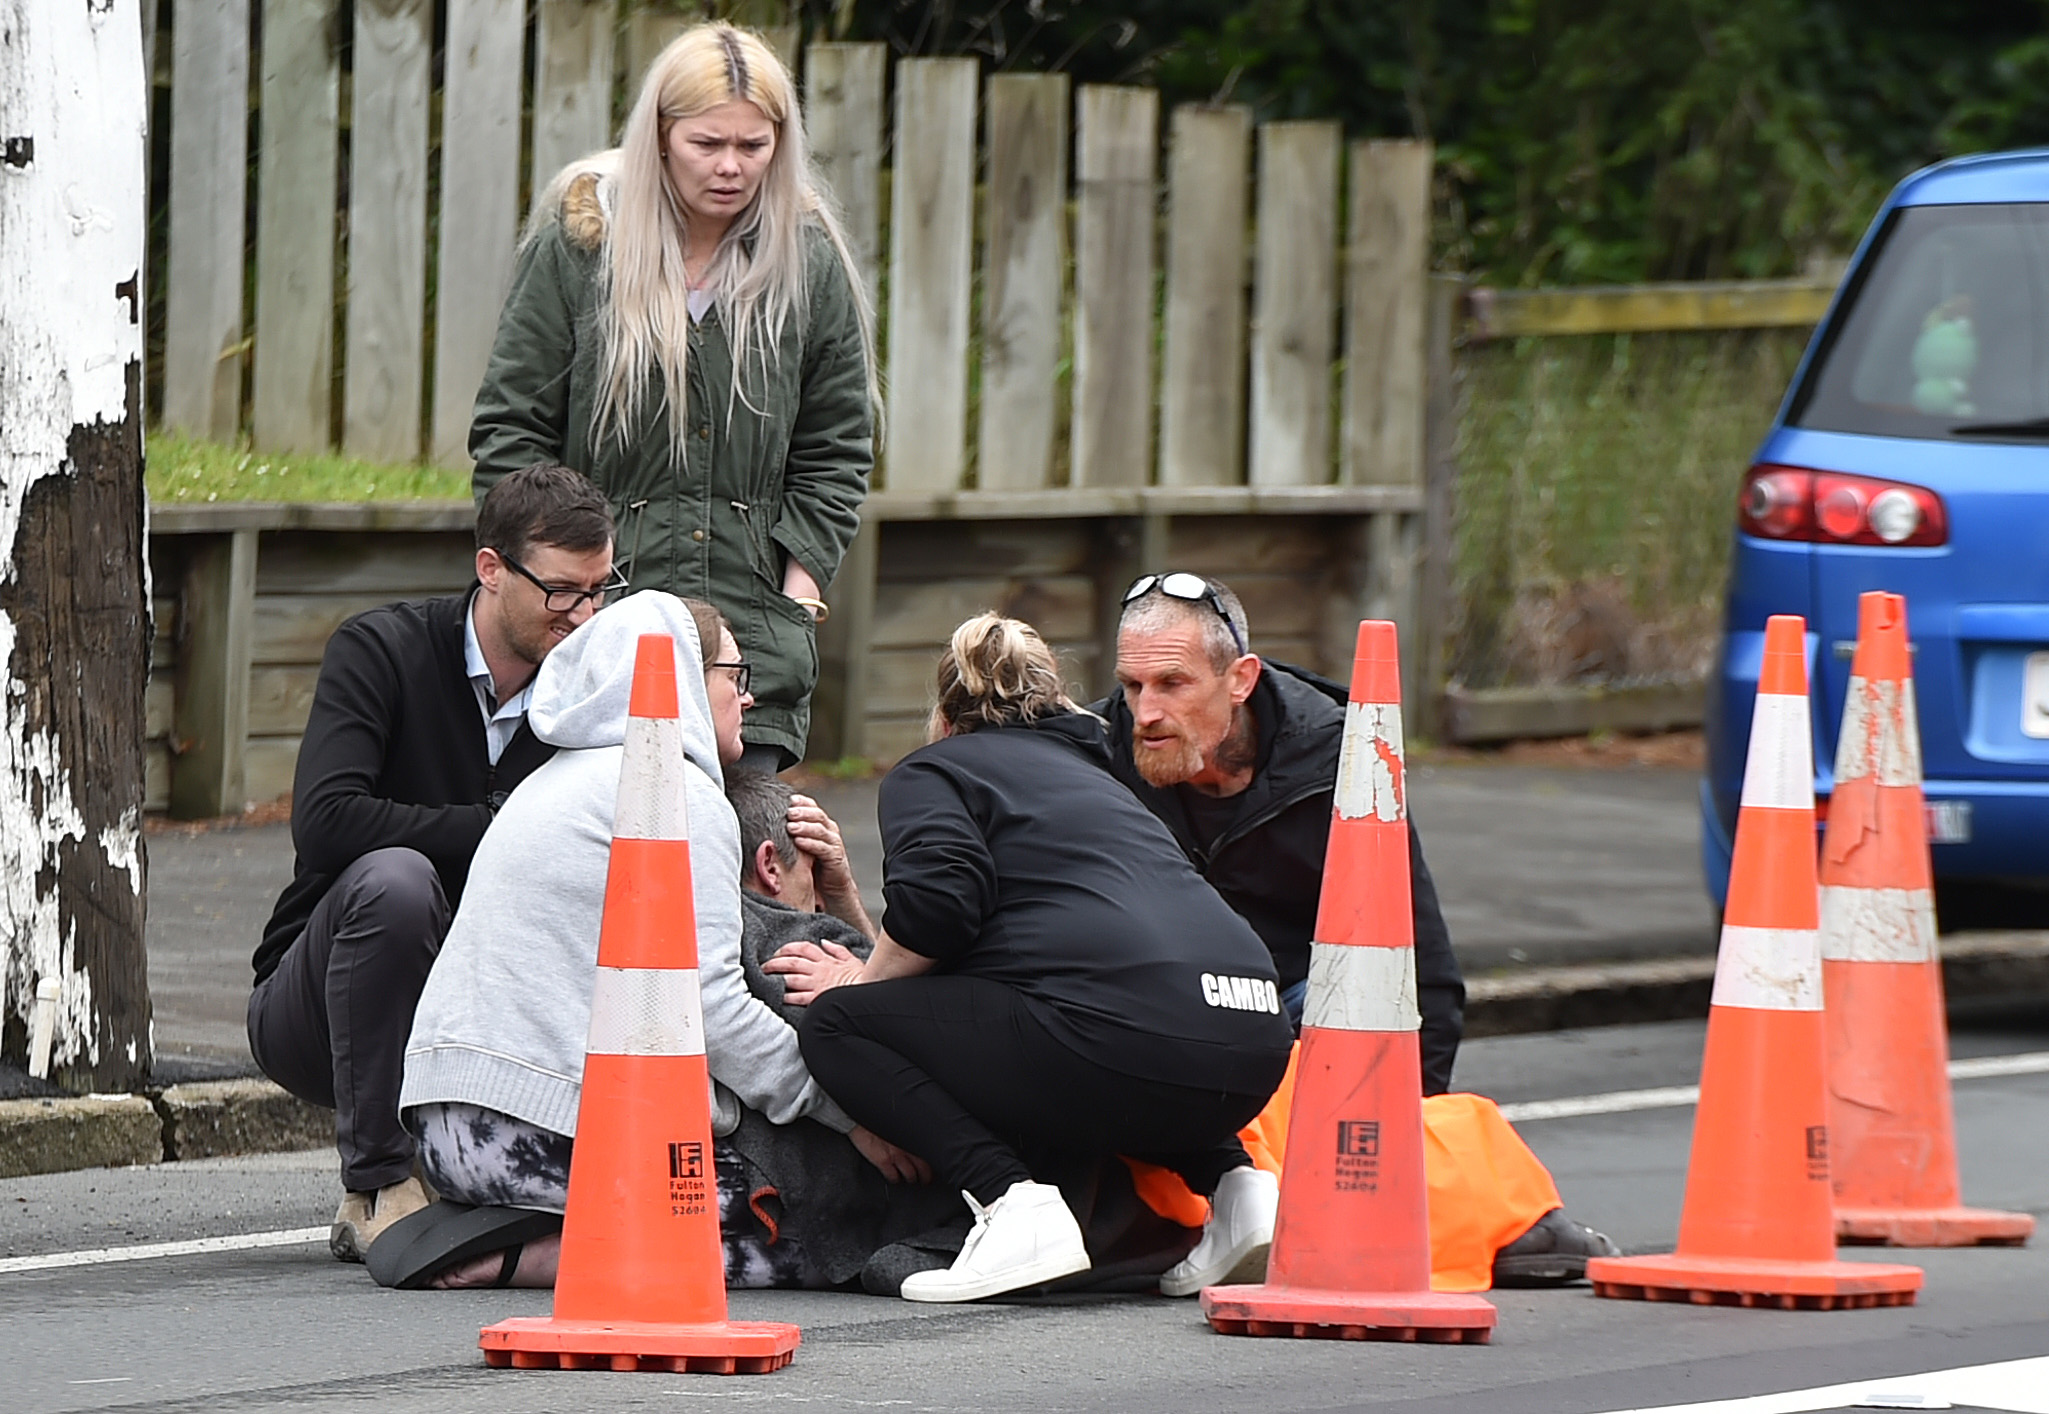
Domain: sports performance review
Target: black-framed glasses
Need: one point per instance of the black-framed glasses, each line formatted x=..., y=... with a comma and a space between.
x=743, y=674
x=1190, y=587
x=565, y=601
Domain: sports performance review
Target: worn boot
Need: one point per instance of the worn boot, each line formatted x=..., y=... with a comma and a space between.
x=1552, y=1253
x=1235, y=1240
x=362, y=1217
x=1026, y=1237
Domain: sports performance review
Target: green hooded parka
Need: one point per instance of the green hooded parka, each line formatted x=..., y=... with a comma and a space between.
x=779, y=471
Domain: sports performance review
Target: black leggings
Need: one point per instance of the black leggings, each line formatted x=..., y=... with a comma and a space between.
x=959, y=1071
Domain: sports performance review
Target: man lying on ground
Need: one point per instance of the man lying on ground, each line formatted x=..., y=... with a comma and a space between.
x=495, y=1063
x=1238, y=755
x=417, y=732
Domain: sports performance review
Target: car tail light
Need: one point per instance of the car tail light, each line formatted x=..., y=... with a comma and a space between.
x=1834, y=508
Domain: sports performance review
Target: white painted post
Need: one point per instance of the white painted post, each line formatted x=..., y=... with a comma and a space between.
x=73, y=625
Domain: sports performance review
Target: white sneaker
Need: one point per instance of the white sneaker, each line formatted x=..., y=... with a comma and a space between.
x=1026, y=1237
x=1235, y=1240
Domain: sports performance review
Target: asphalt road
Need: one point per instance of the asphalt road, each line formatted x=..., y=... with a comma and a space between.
x=288, y=1328
x=1535, y=865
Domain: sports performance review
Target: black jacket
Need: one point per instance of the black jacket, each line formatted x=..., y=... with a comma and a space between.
x=394, y=754
x=1267, y=861
x=1011, y=853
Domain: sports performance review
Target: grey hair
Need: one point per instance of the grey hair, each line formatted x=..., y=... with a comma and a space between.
x=1153, y=611
x=762, y=804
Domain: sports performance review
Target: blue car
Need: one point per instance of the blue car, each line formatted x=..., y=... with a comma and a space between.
x=1912, y=454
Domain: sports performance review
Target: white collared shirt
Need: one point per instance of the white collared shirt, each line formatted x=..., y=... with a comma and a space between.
x=501, y=719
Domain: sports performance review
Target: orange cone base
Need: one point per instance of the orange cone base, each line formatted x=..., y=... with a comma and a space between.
x=714, y=1348
x=1755, y=1281
x=1932, y=1227
x=1440, y=1317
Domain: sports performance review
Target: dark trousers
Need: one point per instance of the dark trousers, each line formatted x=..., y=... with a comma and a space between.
x=960, y=1071
x=330, y=1025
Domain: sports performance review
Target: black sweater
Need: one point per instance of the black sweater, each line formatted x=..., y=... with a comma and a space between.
x=1264, y=850
x=394, y=755
x=1012, y=853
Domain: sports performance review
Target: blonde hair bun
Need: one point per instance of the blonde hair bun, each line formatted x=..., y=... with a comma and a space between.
x=996, y=672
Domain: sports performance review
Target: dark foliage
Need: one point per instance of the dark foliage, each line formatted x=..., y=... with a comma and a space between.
x=1577, y=141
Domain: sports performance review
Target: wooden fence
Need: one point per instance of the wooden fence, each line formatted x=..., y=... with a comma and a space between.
x=1034, y=336
x=248, y=594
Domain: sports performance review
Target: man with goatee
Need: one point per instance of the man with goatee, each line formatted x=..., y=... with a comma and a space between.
x=1239, y=757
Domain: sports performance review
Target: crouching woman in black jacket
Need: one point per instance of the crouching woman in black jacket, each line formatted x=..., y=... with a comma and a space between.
x=1053, y=977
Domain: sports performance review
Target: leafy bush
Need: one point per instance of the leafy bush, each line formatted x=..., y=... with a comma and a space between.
x=1579, y=141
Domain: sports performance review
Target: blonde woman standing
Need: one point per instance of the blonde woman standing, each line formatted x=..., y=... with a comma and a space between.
x=686, y=327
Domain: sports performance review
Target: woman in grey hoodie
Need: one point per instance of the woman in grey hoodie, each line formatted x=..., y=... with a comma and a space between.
x=494, y=1066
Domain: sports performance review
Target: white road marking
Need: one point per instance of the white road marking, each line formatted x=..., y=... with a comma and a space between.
x=1671, y=1097
x=2020, y=1386
x=1614, y=1102
x=99, y=1256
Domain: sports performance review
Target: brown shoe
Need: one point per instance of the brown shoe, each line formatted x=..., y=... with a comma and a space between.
x=362, y=1217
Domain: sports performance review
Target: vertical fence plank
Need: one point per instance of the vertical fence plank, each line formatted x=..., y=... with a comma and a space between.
x=785, y=40
x=843, y=118
x=648, y=33
x=1202, y=380
x=216, y=628
x=387, y=229
x=209, y=169
x=1440, y=503
x=1387, y=254
x=930, y=233
x=1021, y=266
x=572, y=84
x=1116, y=161
x=479, y=206
x=295, y=210
x=1295, y=295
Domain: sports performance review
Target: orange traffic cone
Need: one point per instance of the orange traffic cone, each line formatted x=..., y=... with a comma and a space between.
x=641, y=1284
x=1351, y=1251
x=1758, y=1228
x=1888, y=1042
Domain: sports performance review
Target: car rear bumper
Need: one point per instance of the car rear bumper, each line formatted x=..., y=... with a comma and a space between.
x=2006, y=832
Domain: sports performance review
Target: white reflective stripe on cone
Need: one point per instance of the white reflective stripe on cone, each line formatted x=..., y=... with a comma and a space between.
x=1369, y=766
x=652, y=782
x=1361, y=988
x=1779, y=772
x=1769, y=969
x=1877, y=925
x=1881, y=734
x=646, y=1011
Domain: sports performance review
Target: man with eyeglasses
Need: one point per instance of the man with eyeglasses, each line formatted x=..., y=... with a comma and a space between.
x=416, y=735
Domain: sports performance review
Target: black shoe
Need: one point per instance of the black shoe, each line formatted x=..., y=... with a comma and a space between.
x=1553, y=1252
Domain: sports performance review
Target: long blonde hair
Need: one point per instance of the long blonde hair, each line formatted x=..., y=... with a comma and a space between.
x=996, y=672
x=757, y=276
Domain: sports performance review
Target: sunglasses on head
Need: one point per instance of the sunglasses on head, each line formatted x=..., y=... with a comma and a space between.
x=1192, y=588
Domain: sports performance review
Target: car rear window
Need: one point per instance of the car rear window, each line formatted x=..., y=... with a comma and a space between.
x=1947, y=328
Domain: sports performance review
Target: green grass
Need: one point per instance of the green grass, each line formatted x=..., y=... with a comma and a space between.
x=181, y=469
x=1596, y=499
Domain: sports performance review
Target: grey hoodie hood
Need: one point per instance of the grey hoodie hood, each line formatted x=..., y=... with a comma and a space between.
x=585, y=685
x=505, y=1014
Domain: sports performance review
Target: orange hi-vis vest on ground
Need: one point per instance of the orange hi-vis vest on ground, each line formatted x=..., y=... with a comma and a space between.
x=1486, y=1187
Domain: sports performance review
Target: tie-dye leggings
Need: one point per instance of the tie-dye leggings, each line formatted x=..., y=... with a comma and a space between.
x=488, y=1158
